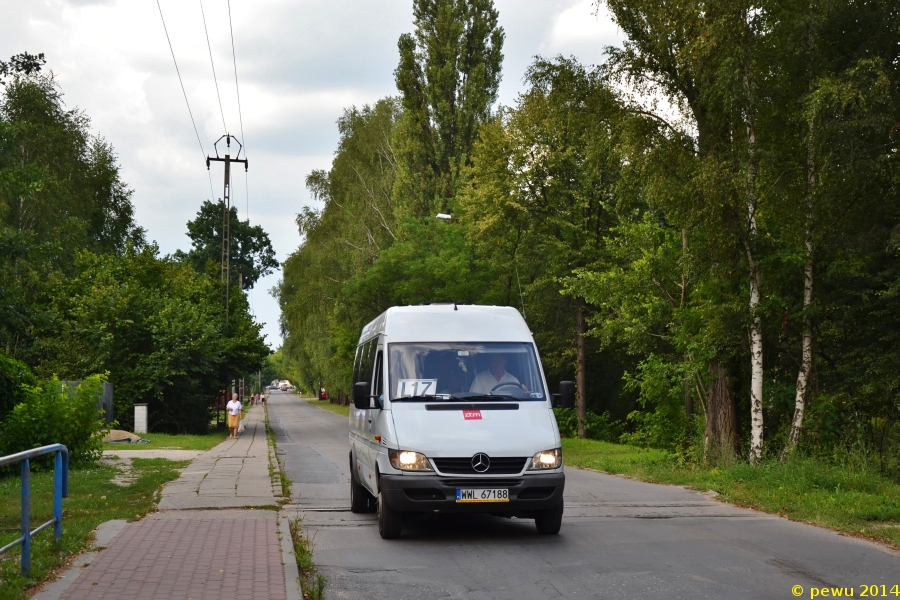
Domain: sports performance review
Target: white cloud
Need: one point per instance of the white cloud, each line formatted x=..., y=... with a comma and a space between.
x=583, y=31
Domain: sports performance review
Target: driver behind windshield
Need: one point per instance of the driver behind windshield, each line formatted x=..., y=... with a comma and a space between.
x=492, y=377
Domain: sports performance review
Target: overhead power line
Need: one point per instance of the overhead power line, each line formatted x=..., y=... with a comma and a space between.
x=240, y=114
x=188, y=104
x=221, y=112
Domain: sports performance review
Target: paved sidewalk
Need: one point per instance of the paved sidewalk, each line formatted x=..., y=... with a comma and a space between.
x=234, y=474
x=192, y=549
x=189, y=554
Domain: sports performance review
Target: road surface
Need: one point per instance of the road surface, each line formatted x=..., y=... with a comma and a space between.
x=619, y=539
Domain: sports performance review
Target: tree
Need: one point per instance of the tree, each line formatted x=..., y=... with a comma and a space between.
x=842, y=104
x=750, y=79
x=340, y=241
x=543, y=185
x=14, y=375
x=157, y=327
x=657, y=256
x=60, y=192
x=24, y=63
x=448, y=78
x=252, y=255
x=55, y=174
x=706, y=59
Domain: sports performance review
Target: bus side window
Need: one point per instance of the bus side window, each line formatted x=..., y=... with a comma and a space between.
x=368, y=362
x=356, y=362
x=377, y=389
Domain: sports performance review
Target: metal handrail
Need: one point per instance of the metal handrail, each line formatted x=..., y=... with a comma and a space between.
x=60, y=491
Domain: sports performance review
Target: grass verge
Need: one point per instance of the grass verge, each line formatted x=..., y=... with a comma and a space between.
x=179, y=442
x=285, y=481
x=312, y=583
x=337, y=409
x=848, y=499
x=92, y=500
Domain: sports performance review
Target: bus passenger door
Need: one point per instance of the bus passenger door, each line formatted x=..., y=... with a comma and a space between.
x=373, y=415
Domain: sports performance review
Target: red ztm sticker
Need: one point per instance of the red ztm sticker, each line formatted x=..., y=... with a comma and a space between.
x=472, y=415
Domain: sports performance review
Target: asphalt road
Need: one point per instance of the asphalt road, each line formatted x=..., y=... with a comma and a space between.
x=619, y=539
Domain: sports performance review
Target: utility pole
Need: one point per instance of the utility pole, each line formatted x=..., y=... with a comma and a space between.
x=226, y=212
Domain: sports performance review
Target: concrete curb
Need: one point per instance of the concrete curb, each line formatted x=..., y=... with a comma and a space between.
x=292, y=586
x=291, y=571
x=103, y=535
x=273, y=459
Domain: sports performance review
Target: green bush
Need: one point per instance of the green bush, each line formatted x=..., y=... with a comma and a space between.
x=52, y=413
x=157, y=327
x=597, y=427
x=13, y=376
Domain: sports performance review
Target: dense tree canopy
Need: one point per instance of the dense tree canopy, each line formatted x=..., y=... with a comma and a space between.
x=84, y=294
x=719, y=274
x=157, y=327
x=543, y=188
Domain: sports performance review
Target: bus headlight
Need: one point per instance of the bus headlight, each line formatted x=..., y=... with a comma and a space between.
x=546, y=459
x=407, y=460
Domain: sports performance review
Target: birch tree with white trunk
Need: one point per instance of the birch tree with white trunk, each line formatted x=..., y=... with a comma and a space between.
x=806, y=358
x=755, y=333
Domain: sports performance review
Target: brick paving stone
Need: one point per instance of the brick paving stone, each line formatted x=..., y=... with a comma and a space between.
x=180, y=558
x=187, y=551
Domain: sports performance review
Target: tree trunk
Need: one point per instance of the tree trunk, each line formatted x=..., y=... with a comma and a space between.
x=806, y=359
x=580, y=403
x=688, y=398
x=756, y=341
x=720, y=439
x=756, y=365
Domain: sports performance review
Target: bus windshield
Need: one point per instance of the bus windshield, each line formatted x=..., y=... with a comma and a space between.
x=464, y=371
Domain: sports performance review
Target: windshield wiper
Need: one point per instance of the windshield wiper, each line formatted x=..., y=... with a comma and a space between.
x=423, y=398
x=454, y=398
x=489, y=397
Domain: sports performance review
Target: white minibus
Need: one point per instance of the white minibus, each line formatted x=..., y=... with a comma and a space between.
x=451, y=413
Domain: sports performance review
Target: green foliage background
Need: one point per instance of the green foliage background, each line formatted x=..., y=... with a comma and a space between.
x=53, y=413
x=585, y=191
x=83, y=291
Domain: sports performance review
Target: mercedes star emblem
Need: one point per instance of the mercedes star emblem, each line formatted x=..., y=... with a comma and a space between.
x=481, y=462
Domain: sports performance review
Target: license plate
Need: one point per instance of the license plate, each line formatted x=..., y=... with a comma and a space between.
x=482, y=495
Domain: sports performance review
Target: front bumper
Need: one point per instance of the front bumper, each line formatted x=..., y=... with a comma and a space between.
x=435, y=493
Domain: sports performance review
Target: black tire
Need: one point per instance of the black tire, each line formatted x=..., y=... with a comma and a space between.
x=390, y=521
x=361, y=501
x=548, y=522
x=359, y=497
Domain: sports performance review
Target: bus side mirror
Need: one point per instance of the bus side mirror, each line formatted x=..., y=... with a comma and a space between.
x=566, y=394
x=361, y=394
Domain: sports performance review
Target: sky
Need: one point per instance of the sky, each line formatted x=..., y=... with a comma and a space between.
x=299, y=64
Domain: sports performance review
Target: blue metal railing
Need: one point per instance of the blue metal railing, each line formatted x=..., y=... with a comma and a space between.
x=60, y=491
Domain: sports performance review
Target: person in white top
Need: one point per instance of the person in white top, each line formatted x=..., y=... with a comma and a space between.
x=234, y=408
x=493, y=376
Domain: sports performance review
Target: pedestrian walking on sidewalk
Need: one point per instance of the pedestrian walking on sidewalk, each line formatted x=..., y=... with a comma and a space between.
x=234, y=408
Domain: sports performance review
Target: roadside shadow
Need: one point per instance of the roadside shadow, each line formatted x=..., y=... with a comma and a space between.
x=474, y=527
